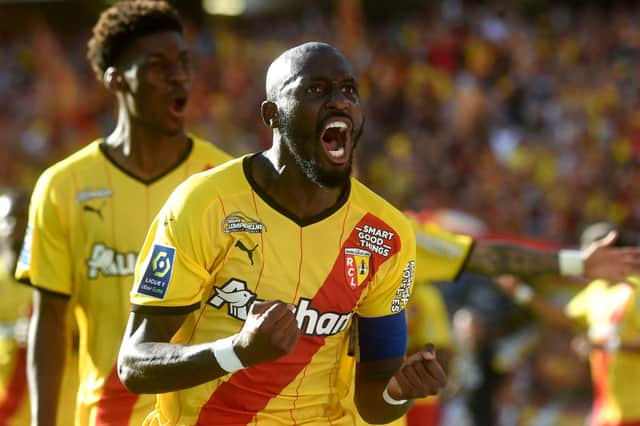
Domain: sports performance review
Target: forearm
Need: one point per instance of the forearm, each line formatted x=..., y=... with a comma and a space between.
x=370, y=384
x=500, y=258
x=165, y=367
x=46, y=357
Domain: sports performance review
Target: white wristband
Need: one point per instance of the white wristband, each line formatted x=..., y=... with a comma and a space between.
x=522, y=294
x=570, y=262
x=390, y=400
x=226, y=356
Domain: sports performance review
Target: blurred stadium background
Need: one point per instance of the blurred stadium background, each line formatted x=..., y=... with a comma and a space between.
x=512, y=117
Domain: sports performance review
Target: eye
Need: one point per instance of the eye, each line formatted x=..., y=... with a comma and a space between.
x=315, y=89
x=350, y=90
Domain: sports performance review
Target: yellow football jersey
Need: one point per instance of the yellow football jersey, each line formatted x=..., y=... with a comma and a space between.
x=221, y=243
x=87, y=221
x=612, y=312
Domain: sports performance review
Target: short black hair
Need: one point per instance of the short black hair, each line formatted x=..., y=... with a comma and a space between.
x=119, y=25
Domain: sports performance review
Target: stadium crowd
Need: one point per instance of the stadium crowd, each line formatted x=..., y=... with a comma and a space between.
x=529, y=122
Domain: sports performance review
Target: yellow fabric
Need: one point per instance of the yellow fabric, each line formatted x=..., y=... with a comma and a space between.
x=14, y=306
x=612, y=311
x=440, y=254
x=87, y=221
x=358, y=258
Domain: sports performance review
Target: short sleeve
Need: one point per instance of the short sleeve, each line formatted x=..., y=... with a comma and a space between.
x=578, y=307
x=172, y=269
x=391, y=288
x=44, y=260
x=440, y=255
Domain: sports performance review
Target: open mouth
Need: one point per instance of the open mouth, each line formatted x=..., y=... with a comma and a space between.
x=178, y=105
x=336, y=138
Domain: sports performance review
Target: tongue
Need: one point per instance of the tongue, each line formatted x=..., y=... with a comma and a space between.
x=331, y=139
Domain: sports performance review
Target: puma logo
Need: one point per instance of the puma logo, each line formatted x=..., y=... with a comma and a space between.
x=96, y=210
x=244, y=248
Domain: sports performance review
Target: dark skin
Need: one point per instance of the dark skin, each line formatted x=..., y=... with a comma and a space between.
x=601, y=260
x=151, y=82
x=308, y=88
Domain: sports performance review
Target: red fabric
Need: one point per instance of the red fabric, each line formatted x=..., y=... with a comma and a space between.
x=17, y=389
x=424, y=414
x=248, y=391
x=116, y=403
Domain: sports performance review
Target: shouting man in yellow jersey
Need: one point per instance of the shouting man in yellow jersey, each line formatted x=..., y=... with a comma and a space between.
x=89, y=213
x=251, y=274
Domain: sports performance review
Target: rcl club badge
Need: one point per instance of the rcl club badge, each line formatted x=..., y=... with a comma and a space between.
x=356, y=266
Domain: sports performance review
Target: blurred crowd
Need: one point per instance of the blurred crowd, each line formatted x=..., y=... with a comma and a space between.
x=529, y=122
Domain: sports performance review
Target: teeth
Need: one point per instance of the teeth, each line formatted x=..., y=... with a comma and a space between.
x=337, y=153
x=337, y=125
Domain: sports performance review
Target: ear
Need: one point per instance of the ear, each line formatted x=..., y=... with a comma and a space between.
x=269, y=111
x=113, y=79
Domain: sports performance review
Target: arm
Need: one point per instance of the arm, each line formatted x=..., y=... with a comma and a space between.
x=599, y=260
x=525, y=296
x=46, y=355
x=382, y=368
x=149, y=363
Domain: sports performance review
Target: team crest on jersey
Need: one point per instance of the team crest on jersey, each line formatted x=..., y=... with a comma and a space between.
x=356, y=266
x=87, y=195
x=157, y=276
x=239, y=222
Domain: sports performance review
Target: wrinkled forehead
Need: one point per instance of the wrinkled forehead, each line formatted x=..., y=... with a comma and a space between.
x=305, y=63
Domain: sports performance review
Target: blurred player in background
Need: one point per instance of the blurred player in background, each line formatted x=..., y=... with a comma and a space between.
x=89, y=213
x=442, y=255
x=606, y=317
x=15, y=307
x=15, y=302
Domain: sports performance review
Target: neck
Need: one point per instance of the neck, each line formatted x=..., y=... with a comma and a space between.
x=142, y=150
x=278, y=175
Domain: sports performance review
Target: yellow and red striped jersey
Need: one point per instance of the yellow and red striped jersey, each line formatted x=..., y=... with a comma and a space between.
x=612, y=312
x=87, y=221
x=220, y=243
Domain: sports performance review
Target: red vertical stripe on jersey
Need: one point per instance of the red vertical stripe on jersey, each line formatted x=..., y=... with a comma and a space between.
x=600, y=365
x=17, y=389
x=116, y=403
x=248, y=391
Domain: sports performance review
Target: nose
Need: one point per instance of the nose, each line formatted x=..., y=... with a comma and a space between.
x=337, y=99
x=179, y=73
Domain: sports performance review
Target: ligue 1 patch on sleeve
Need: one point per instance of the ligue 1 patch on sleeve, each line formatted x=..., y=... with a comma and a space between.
x=157, y=276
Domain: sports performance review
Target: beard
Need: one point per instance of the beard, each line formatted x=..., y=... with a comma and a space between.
x=308, y=161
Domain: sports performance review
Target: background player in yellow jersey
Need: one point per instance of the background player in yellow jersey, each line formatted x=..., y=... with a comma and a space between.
x=442, y=255
x=607, y=313
x=251, y=273
x=89, y=212
x=15, y=307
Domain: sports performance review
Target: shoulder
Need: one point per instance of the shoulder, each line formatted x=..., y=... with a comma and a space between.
x=205, y=150
x=61, y=175
x=365, y=199
x=202, y=190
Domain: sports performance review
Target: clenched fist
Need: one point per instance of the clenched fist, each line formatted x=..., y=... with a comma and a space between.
x=419, y=375
x=270, y=331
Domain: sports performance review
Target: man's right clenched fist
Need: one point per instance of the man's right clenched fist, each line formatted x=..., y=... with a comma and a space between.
x=270, y=331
